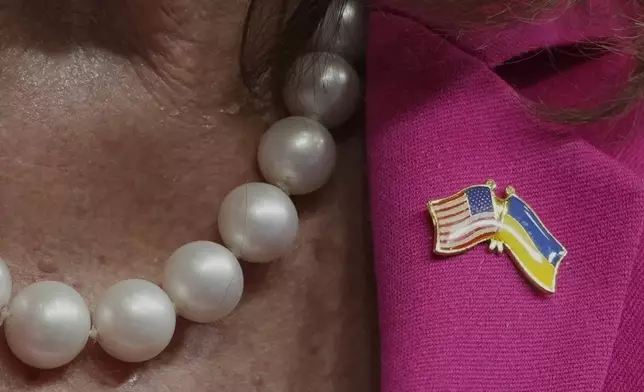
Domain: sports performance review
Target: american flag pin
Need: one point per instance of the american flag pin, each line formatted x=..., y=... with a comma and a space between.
x=476, y=214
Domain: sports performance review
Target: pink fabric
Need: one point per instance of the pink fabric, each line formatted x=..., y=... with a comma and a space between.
x=439, y=118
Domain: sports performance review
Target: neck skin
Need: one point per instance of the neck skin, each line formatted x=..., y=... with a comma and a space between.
x=121, y=130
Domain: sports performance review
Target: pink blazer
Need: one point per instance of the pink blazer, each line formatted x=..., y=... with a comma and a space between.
x=441, y=117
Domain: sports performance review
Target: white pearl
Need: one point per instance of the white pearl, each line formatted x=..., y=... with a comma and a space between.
x=48, y=325
x=204, y=280
x=324, y=87
x=134, y=320
x=342, y=30
x=258, y=222
x=297, y=154
x=5, y=284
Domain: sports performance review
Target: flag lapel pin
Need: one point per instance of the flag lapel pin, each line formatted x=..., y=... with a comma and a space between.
x=476, y=214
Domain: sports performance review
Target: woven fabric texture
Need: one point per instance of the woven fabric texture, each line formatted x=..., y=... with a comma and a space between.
x=440, y=118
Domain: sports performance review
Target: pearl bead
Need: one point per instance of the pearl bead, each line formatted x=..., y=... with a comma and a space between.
x=134, y=320
x=324, y=87
x=48, y=325
x=342, y=30
x=297, y=154
x=258, y=222
x=5, y=284
x=204, y=280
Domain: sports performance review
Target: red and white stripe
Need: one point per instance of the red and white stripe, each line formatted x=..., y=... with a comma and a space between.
x=457, y=228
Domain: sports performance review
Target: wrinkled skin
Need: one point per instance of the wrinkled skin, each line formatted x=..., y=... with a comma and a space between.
x=123, y=124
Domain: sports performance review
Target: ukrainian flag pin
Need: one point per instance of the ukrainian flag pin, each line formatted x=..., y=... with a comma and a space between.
x=476, y=214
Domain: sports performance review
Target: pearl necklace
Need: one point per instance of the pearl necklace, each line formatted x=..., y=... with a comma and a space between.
x=48, y=324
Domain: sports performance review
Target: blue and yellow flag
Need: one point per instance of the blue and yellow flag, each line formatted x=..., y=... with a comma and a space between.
x=536, y=252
